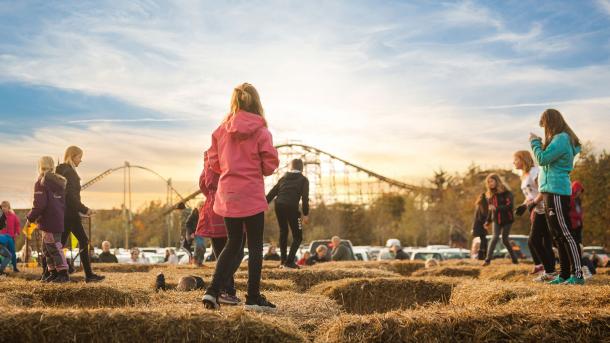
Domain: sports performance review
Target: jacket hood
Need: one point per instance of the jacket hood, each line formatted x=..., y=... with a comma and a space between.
x=54, y=182
x=577, y=186
x=244, y=124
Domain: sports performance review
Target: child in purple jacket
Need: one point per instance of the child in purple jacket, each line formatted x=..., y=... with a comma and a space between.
x=48, y=210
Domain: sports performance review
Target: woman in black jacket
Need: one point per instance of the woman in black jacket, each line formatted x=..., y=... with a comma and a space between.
x=500, y=205
x=74, y=208
x=478, y=225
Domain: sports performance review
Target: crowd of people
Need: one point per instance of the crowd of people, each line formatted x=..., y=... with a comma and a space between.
x=232, y=181
x=552, y=200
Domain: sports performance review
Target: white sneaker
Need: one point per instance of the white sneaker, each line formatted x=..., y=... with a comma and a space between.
x=546, y=277
x=586, y=273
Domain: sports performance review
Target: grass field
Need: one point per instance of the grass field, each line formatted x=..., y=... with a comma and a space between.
x=333, y=302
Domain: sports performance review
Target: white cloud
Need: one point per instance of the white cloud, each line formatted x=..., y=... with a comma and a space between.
x=370, y=90
x=604, y=5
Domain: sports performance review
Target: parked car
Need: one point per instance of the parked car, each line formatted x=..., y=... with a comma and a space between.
x=361, y=253
x=426, y=254
x=454, y=253
x=438, y=247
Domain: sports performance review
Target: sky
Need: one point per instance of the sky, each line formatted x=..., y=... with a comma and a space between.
x=400, y=87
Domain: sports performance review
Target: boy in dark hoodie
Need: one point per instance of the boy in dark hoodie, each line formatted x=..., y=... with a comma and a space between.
x=289, y=190
x=48, y=210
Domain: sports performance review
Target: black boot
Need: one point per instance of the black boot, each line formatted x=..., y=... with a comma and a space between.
x=160, y=282
x=86, y=263
x=94, y=278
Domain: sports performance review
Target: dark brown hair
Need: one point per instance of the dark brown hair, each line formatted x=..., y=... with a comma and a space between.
x=553, y=123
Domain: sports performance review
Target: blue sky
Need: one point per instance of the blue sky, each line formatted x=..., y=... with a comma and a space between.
x=415, y=83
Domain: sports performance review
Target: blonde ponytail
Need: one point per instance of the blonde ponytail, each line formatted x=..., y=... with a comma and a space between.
x=245, y=98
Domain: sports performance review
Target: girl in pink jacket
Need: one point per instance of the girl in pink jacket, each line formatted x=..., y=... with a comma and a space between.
x=13, y=225
x=242, y=153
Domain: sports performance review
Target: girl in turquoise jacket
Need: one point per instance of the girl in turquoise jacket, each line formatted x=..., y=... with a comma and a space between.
x=556, y=159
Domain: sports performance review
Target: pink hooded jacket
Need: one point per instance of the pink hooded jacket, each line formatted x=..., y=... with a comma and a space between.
x=210, y=224
x=242, y=153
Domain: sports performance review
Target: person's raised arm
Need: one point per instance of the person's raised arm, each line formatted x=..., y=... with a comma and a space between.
x=553, y=151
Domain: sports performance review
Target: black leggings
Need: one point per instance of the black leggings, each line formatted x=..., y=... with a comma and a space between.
x=289, y=216
x=557, y=208
x=217, y=245
x=74, y=225
x=541, y=243
x=226, y=264
x=503, y=230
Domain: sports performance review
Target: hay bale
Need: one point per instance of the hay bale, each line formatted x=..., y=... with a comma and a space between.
x=72, y=295
x=367, y=295
x=307, y=277
x=470, y=272
x=142, y=326
x=477, y=294
x=506, y=272
x=404, y=268
x=468, y=326
x=123, y=268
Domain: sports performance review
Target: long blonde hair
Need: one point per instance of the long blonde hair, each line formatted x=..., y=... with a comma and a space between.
x=526, y=158
x=71, y=152
x=553, y=123
x=45, y=164
x=245, y=98
x=501, y=186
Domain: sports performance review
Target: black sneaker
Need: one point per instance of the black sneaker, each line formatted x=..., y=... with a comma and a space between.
x=52, y=275
x=259, y=304
x=94, y=278
x=70, y=268
x=291, y=266
x=210, y=302
x=62, y=277
x=160, y=282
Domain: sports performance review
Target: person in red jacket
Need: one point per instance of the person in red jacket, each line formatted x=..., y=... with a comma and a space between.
x=242, y=153
x=13, y=225
x=576, y=211
x=212, y=226
x=48, y=210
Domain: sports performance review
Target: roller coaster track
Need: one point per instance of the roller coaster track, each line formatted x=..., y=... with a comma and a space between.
x=370, y=173
x=309, y=149
x=127, y=165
